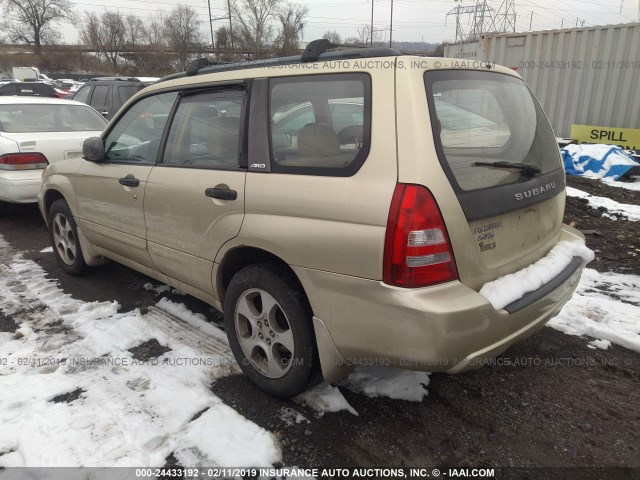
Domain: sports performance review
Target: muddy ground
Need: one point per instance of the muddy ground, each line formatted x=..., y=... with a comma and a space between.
x=549, y=401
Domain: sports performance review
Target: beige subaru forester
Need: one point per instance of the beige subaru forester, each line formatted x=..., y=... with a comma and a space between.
x=340, y=208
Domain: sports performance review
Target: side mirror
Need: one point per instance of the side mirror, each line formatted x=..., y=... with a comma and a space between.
x=93, y=150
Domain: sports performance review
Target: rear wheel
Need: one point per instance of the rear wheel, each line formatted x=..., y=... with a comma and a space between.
x=63, y=233
x=268, y=322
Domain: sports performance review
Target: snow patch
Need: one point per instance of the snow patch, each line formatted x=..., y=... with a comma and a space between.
x=47, y=250
x=601, y=344
x=324, y=398
x=380, y=381
x=605, y=306
x=130, y=413
x=159, y=289
x=635, y=186
x=292, y=417
x=509, y=288
x=631, y=212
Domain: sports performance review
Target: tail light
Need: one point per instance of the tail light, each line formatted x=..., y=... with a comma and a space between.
x=23, y=161
x=417, y=251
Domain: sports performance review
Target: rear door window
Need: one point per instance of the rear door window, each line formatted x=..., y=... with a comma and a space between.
x=101, y=97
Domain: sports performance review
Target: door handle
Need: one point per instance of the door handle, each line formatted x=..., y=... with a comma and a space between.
x=104, y=113
x=129, y=181
x=221, y=193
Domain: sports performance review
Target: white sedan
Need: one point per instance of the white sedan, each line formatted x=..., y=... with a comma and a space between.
x=36, y=131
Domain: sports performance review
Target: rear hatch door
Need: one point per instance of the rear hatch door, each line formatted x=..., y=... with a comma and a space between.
x=499, y=154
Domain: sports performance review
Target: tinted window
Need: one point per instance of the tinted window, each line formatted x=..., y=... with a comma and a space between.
x=205, y=131
x=291, y=120
x=82, y=95
x=49, y=118
x=8, y=89
x=28, y=89
x=488, y=117
x=136, y=135
x=126, y=92
x=100, y=97
x=320, y=124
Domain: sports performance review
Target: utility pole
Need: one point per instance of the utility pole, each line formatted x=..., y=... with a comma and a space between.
x=391, y=28
x=507, y=11
x=371, y=32
x=211, y=25
x=230, y=24
x=483, y=20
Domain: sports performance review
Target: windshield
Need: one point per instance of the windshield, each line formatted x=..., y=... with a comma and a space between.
x=25, y=118
x=485, y=117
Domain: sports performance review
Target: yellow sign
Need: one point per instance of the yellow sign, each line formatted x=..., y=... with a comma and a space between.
x=627, y=138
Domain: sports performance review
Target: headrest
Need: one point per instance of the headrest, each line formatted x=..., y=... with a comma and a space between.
x=318, y=140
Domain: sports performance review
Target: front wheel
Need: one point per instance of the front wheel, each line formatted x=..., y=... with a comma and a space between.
x=63, y=233
x=268, y=322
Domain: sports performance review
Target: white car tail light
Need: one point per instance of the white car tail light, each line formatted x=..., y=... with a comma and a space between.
x=23, y=161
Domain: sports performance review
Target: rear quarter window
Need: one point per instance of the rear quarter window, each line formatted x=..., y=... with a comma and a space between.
x=320, y=124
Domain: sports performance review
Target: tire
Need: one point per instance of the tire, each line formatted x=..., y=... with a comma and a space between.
x=63, y=234
x=275, y=347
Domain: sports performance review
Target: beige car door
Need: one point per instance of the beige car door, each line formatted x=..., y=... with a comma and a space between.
x=110, y=194
x=194, y=199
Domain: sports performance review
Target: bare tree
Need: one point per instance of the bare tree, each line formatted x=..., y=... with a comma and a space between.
x=254, y=31
x=182, y=32
x=223, y=38
x=292, y=20
x=363, y=37
x=134, y=30
x=106, y=33
x=33, y=21
x=334, y=37
x=153, y=33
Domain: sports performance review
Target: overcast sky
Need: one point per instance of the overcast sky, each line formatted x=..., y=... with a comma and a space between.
x=413, y=20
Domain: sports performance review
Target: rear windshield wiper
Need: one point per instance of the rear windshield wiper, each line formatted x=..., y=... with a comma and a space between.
x=528, y=170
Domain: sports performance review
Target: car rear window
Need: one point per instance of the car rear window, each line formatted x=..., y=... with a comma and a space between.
x=24, y=118
x=28, y=89
x=320, y=124
x=488, y=117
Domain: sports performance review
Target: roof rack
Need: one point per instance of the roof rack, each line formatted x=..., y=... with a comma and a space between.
x=122, y=79
x=315, y=51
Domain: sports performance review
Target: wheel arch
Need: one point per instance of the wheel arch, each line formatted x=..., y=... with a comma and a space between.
x=243, y=256
x=50, y=196
x=53, y=194
x=331, y=361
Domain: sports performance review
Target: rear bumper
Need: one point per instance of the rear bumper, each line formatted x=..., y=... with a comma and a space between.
x=447, y=327
x=20, y=186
